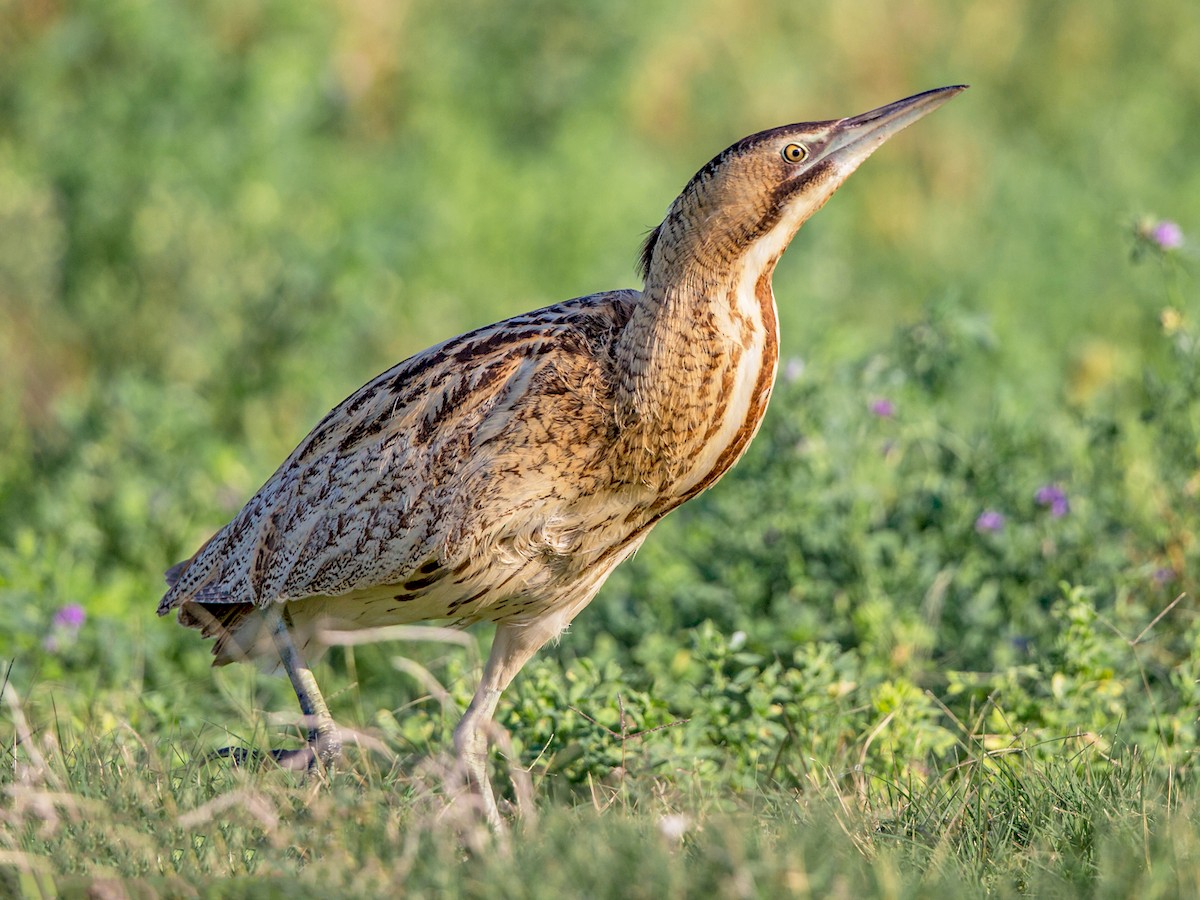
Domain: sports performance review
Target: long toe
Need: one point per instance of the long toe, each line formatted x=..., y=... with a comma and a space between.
x=302, y=759
x=239, y=756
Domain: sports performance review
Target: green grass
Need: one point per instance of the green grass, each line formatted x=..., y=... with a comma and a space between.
x=83, y=808
x=829, y=676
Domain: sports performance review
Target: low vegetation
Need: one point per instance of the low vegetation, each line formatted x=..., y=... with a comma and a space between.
x=936, y=634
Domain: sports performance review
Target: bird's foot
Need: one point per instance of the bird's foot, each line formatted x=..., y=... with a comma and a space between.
x=323, y=750
x=477, y=784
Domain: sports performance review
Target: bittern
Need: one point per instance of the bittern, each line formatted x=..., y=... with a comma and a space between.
x=501, y=475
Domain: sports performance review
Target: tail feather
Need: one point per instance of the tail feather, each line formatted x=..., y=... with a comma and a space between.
x=172, y=574
x=235, y=627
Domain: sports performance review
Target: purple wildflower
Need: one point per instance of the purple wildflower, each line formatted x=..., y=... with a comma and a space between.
x=1167, y=235
x=793, y=369
x=989, y=522
x=1053, y=496
x=71, y=616
x=1163, y=575
x=64, y=628
x=885, y=409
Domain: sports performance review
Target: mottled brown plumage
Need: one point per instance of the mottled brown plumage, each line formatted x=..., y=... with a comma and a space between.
x=501, y=475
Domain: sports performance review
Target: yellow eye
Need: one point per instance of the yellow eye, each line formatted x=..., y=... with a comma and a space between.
x=795, y=153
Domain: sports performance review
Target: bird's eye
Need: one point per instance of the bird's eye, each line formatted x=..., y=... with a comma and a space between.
x=795, y=153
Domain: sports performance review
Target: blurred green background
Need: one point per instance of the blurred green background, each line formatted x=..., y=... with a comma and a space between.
x=219, y=218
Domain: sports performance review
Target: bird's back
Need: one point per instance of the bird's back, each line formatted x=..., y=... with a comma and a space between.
x=471, y=481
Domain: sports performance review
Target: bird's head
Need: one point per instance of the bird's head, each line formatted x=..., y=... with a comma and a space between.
x=749, y=200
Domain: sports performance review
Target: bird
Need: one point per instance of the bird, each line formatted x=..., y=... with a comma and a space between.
x=501, y=475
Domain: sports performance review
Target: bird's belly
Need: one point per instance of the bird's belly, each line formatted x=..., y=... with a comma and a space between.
x=525, y=570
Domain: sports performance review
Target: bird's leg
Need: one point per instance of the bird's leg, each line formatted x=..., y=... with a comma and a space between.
x=512, y=647
x=324, y=740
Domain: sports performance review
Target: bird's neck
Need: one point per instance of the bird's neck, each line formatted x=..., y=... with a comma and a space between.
x=695, y=367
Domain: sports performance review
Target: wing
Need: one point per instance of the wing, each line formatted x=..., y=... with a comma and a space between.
x=402, y=479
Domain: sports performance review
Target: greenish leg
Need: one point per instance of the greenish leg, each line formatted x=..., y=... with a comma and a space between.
x=324, y=739
x=511, y=649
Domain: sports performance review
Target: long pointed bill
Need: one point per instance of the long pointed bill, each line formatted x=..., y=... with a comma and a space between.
x=857, y=137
